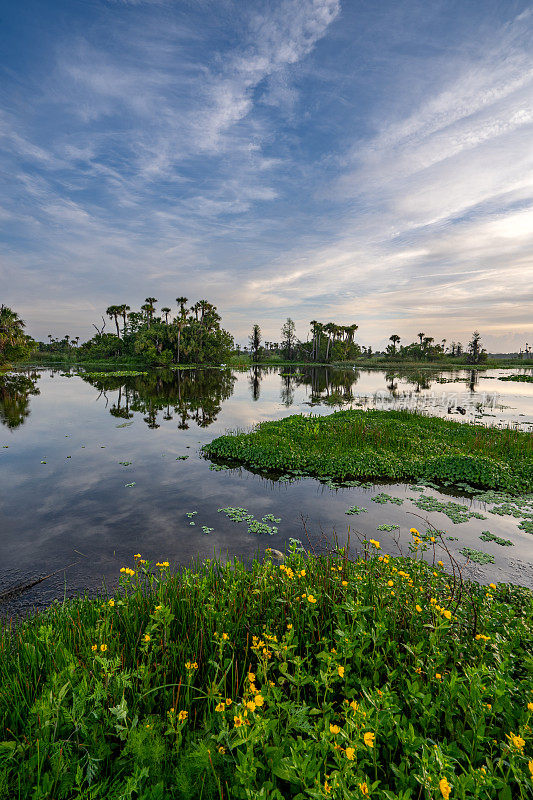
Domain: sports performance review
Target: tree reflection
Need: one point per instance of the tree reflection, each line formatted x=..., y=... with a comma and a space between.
x=15, y=392
x=330, y=386
x=190, y=395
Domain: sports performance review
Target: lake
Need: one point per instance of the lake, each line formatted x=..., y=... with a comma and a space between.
x=93, y=471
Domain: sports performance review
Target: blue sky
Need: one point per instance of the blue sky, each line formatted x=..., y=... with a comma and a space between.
x=329, y=159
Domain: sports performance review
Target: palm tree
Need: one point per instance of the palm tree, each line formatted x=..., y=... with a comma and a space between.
x=123, y=310
x=329, y=330
x=11, y=334
x=150, y=302
x=166, y=311
x=421, y=336
x=395, y=340
x=113, y=312
x=182, y=302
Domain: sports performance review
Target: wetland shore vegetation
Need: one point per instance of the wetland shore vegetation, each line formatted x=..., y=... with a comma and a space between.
x=322, y=677
x=392, y=445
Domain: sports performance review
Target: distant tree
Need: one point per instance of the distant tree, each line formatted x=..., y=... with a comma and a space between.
x=395, y=340
x=182, y=302
x=123, y=311
x=475, y=350
x=421, y=336
x=166, y=311
x=288, y=336
x=150, y=306
x=113, y=313
x=255, y=341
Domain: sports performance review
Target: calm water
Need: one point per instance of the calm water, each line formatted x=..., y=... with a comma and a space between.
x=77, y=506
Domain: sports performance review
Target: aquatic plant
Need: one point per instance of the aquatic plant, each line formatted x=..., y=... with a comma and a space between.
x=397, y=445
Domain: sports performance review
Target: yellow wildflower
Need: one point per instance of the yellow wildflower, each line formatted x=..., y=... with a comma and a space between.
x=259, y=700
x=445, y=788
x=530, y=706
x=530, y=767
x=375, y=543
x=229, y=701
x=225, y=636
x=146, y=637
x=251, y=677
x=158, y=608
x=350, y=753
x=289, y=626
x=390, y=583
x=492, y=585
x=220, y=707
x=418, y=608
x=369, y=739
x=238, y=721
x=250, y=705
x=364, y=789
x=414, y=532
x=334, y=729
x=221, y=749
x=311, y=599
x=103, y=648
x=516, y=741
x=345, y=583
x=447, y=614
x=111, y=603
x=354, y=705
x=440, y=563
x=327, y=787
x=438, y=676
x=137, y=555
x=94, y=648
x=340, y=670
x=182, y=716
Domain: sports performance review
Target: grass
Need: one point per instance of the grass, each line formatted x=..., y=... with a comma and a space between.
x=395, y=445
x=322, y=678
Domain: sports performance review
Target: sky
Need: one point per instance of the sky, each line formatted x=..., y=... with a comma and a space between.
x=345, y=160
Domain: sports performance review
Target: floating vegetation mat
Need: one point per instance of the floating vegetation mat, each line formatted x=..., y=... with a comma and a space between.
x=394, y=445
x=520, y=378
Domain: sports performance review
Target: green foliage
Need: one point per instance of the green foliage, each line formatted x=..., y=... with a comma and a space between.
x=487, y=536
x=521, y=378
x=193, y=336
x=477, y=555
x=396, y=445
x=307, y=680
x=14, y=343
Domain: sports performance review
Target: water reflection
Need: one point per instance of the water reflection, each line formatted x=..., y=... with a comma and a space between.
x=15, y=393
x=187, y=395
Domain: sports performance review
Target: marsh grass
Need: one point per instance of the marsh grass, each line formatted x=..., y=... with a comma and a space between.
x=321, y=678
x=395, y=445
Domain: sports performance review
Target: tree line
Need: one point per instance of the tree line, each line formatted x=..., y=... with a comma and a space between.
x=189, y=335
x=329, y=342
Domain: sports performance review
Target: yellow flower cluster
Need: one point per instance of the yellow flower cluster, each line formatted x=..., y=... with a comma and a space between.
x=128, y=571
x=445, y=788
x=516, y=741
x=375, y=543
x=162, y=564
x=191, y=665
x=482, y=637
x=287, y=570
